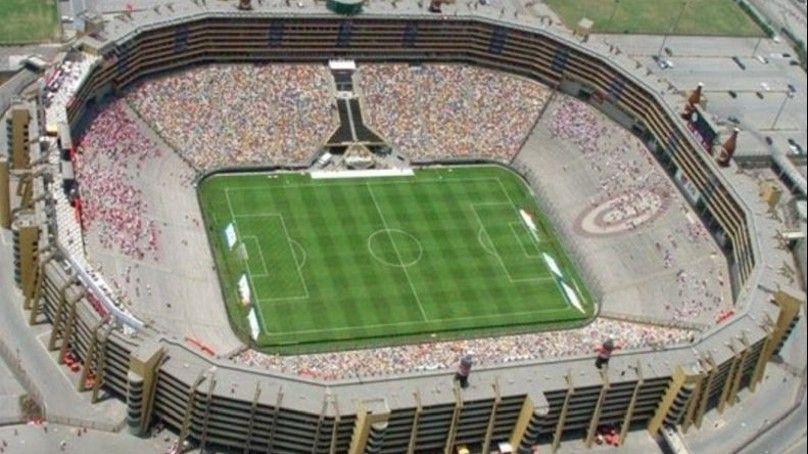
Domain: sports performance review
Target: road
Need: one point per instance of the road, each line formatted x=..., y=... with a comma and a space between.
x=787, y=436
x=58, y=391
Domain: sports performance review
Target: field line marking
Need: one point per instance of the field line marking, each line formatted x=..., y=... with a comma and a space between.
x=398, y=254
x=331, y=183
x=566, y=308
x=258, y=298
x=531, y=240
x=259, y=312
x=292, y=251
x=493, y=247
x=229, y=205
x=260, y=254
x=508, y=196
x=499, y=257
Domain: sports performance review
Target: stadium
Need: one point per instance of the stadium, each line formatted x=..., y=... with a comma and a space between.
x=279, y=230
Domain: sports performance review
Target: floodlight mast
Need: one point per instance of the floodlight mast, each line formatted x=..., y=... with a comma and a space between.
x=673, y=27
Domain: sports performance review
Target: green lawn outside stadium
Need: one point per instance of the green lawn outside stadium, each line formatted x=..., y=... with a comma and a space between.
x=28, y=21
x=657, y=17
x=350, y=263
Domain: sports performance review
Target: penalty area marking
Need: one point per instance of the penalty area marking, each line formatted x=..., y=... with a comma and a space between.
x=496, y=254
x=534, y=242
x=260, y=254
x=487, y=247
x=302, y=261
x=234, y=218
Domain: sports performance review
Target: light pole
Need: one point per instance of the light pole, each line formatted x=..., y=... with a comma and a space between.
x=611, y=17
x=673, y=28
x=789, y=95
x=754, y=51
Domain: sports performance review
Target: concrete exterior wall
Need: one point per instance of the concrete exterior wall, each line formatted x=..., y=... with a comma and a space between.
x=211, y=401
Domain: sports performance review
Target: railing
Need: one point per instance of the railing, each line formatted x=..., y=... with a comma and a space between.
x=120, y=315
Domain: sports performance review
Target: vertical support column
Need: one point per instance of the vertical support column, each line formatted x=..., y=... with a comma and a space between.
x=5, y=195
x=595, y=420
x=187, y=419
x=40, y=281
x=522, y=422
x=489, y=428
x=562, y=417
x=101, y=364
x=144, y=363
x=359, y=438
x=458, y=408
x=632, y=403
x=708, y=364
x=275, y=412
x=335, y=429
x=90, y=357
x=676, y=384
x=415, y=420
x=736, y=381
x=26, y=238
x=58, y=318
x=251, y=423
x=71, y=324
x=765, y=352
x=320, y=421
x=203, y=440
x=371, y=422
x=789, y=308
x=694, y=400
x=18, y=120
x=727, y=389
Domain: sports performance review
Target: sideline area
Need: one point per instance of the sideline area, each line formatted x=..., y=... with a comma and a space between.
x=307, y=260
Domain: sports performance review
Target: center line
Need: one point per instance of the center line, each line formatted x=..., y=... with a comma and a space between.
x=395, y=249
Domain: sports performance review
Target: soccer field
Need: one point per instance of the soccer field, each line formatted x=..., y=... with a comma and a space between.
x=657, y=17
x=28, y=21
x=353, y=262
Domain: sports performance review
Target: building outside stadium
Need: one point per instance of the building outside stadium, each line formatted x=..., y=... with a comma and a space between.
x=192, y=376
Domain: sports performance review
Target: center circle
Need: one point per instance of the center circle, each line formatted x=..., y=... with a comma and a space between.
x=394, y=247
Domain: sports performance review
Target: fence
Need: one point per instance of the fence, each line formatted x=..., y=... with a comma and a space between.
x=575, y=252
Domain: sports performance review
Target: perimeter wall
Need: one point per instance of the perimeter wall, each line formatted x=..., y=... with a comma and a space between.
x=210, y=401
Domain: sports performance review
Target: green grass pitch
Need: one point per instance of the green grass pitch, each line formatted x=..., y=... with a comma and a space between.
x=28, y=21
x=656, y=17
x=349, y=263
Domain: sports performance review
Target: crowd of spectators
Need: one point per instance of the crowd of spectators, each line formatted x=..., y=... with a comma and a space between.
x=437, y=111
x=109, y=152
x=240, y=114
x=60, y=85
x=490, y=350
x=700, y=286
x=627, y=173
x=611, y=152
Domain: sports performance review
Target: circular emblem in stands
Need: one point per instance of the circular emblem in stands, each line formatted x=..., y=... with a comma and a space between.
x=622, y=213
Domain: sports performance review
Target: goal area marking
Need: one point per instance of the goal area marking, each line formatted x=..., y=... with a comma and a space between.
x=495, y=252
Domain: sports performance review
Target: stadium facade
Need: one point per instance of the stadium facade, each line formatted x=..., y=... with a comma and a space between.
x=214, y=403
